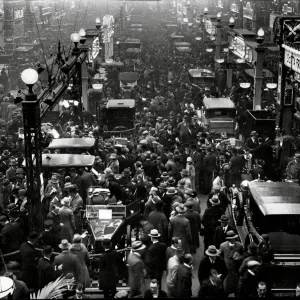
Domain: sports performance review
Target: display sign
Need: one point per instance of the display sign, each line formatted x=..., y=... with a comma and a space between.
x=179, y=9
x=272, y=19
x=297, y=76
x=248, y=11
x=292, y=58
x=220, y=4
x=18, y=14
x=234, y=8
x=239, y=47
x=210, y=28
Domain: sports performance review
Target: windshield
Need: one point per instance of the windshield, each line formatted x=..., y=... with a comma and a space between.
x=221, y=113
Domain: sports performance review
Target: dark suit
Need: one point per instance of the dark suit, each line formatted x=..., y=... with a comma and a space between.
x=29, y=256
x=69, y=264
x=156, y=260
x=209, y=290
x=108, y=274
x=151, y=169
x=20, y=290
x=51, y=239
x=79, y=182
x=220, y=235
x=195, y=223
x=209, y=165
x=223, y=200
x=184, y=282
x=56, y=221
x=210, y=222
x=247, y=285
x=161, y=294
x=66, y=217
x=88, y=180
x=236, y=164
x=249, y=144
x=123, y=162
x=45, y=271
x=206, y=265
x=10, y=238
x=159, y=221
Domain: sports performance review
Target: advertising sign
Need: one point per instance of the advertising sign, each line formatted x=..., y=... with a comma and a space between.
x=292, y=58
x=248, y=11
x=279, y=84
x=210, y=28
x=220, y=4
x=234, y=8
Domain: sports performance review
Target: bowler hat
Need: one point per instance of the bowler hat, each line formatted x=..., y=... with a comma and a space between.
x=212, y=251
x=137, y=245
x=171, y=191
x=48, y=223
x=164, y=175
x=224, y=219
x=231, y=235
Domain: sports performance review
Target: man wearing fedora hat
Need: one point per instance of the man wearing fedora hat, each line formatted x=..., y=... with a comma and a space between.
x=53, y=185
x=76, y=204
x=220, y=232
x=11, y=171
x=67, y=221
x=76, y=179
x=210, y=220
x=150, y=204
x=45, y=267
x=66, y=262
x=108, y=269
x=156, y=257
x=179, y=226
x=29, y=257
x=209, y=166
x=136, y=270
x=251, y=142
x=49, y=237
x=195, y=223
x=211, y=260
x=232, y=252
x=185, y=177
x=159, y=221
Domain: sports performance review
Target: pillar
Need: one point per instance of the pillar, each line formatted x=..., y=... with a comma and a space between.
x=229, y=66
x=218, y=43
x=258, y=77
x=84, y=86
x=8, y=26
x=29, y=20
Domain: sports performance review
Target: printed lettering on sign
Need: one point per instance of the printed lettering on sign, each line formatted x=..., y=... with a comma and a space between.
x=292, y=60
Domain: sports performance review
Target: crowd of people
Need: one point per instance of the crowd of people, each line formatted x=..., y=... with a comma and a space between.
x=165, y=166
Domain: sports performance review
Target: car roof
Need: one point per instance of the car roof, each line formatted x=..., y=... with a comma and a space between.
x=63, y=143
x=214, y=103
x=201, y=73
x=133, y=50
x=182, y=44
x=133, y=41
x=67, y=160
x=117, y=103
x=276, y=198
x=130, y=76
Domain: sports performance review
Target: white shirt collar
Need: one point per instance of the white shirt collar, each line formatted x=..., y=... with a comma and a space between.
x=154, y=242
x=251, y=272
x=211, y=260
x=225, y=228
x=188, y=266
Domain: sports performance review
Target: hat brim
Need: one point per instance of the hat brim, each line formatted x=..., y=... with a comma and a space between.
x=152, y=235
x=210, y=200
x=181, y=211
x=211, y=254
x=231, y=237
x=63, y=247
x=223, y=221
x=167, y=193
x=140, y=248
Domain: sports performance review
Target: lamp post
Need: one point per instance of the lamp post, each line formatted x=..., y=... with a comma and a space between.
x=229, y=57
x=205, y=12
x=100, y=31
x=33, y=150
x=258, y=72
x=218, y=39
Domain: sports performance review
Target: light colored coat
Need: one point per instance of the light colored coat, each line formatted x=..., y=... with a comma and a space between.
x=136, y=274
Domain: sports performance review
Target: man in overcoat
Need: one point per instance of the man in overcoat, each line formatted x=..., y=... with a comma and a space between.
x=30, y=256
x=184, y=278
x=195, y=223
x=220, y=233
x=179, y=226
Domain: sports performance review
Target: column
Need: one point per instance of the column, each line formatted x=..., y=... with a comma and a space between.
x=8, y=26
x=258, y=77
x=229, y=65
x=218, y=43
x=84, y=86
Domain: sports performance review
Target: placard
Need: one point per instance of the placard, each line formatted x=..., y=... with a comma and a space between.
x=292, y=59
x=105, y=214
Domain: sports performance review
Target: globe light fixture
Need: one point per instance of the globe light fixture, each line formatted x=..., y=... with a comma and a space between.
x=98, y=23
x=209, y=50
x=212, y=38
x=97, y=86
x=225, y=50
x=30, y=77
x=271, y=86
x=6, y=285
x=219, y=16
x=82, y=32
x=240, y=60
x=231, y=22
x=76, y=103
x=260, y=36
x=75, y=37
x=198, y=38
x=205, y=11
x=66, y=104
x=245, y=85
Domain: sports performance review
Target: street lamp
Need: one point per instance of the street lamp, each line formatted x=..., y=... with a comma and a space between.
x=205, y=11
x=33, y=150
x=271, y=85
x=245, y=85
x=219, y=17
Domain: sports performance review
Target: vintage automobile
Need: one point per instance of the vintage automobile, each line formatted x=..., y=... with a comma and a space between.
x=113, y=221
x=218, y=116
x=272, y=208
x=128, y=80
x=201, y=78
x=73, y=145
